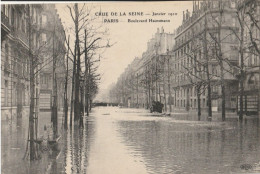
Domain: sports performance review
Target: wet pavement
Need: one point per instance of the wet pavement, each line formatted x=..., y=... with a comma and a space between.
x=121, y=141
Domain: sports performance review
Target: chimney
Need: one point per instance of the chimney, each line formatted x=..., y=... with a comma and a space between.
x=158, y=30
x=183, y=16
x=162, y=30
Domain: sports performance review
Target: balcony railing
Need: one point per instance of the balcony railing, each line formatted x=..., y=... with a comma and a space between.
x=22, y=36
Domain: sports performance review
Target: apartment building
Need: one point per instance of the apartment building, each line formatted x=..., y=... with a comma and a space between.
x=15, y=61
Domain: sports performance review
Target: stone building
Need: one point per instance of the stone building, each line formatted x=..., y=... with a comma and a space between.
x=195, y=55
x=53, y=35
x=180, y=68
x=15, y=60
x=251, y=61
x=153, y=66
x=142, y=80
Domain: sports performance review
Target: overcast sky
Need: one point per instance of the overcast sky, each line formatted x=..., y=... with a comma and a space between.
x=131, y=38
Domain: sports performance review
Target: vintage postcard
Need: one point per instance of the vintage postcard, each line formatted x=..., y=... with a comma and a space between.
x=130, y=87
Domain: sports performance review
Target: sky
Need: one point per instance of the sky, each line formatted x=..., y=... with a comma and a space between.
x=130, y=38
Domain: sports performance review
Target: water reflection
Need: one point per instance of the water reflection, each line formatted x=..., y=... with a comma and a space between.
x=13, y=147
x=133, y=141
x=75, y=149
x=192, y=149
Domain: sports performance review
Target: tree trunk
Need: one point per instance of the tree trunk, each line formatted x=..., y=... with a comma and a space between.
x=207, y=71
x=32, y=93
x=77, y=104
x=241, y=80
x=220, y=58
x=54, y=91
x=198, y=98
x=72, y=86
x=90, y=104
x=223, y=102
x=164, y=95
x=241, y=104
x=209, y=102
x=81, y=107
x=66, y=90
x=88, y=87
x=86, y=75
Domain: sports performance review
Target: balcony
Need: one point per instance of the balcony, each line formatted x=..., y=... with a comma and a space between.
x=5, y=21
x=22, y=36
x=5, y=26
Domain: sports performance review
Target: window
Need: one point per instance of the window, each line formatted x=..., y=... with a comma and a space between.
x=14, y=97
x=5, y=10
x=6, y=53
x=34, y=15
x=232, y=4
x=233, y=22
x=44, y=38
x=6, y=93
x=23, y=25
x=44, y=19
x=12, y=17
x=214, y=69
x=18, y=21
x=34, y=39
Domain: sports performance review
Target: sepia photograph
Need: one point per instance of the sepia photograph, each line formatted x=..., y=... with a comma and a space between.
x=130, y=87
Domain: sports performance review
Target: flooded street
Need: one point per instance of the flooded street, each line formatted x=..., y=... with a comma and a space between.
x=120, y=140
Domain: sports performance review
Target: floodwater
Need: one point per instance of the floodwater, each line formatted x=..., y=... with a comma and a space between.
x=133, y=141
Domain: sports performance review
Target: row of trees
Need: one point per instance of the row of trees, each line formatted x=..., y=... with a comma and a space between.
x=217, y=43
x=81, y=64
x=89, y=42
x=41, y=54
x=216, y=56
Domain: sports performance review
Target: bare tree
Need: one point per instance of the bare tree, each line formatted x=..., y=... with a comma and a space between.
x=89, y=44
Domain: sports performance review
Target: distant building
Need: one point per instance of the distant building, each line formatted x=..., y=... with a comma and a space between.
x=53, y=35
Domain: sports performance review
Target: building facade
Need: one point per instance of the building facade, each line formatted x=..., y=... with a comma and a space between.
x=53, y=35
x=19, y=34
x=196, y=60
x=15, y=62
x=178, y=69
x=252, y=55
